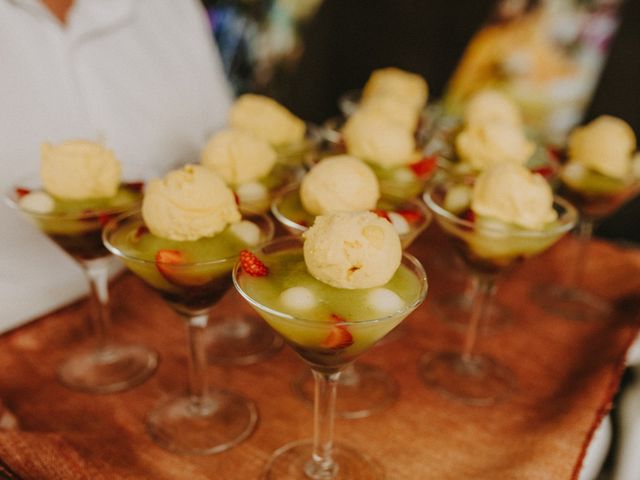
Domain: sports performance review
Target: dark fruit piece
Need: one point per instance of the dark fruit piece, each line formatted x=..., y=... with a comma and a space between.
x=339, y=336
x=170, y=264
x=381, y=213
x=425, y=166
x=411, y=216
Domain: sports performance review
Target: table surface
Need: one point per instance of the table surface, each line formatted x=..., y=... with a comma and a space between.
x=567, y=373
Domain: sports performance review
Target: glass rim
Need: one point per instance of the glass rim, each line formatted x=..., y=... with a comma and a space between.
x=427, y=215
x=90, y=214
x=565, y=222
x=406, y=310
x=111, y=226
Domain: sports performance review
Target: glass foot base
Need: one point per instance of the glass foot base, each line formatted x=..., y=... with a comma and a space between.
x=112, y=369
x=215, y=424
x=362, y=390
x=478, y=381
x=570, y=302
x=240, y=340
x=293, y=462
x=455, y=309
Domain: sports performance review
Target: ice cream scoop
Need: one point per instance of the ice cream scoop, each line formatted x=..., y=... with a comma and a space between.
x=266, y=119
x=402, y=113
x=188, y=204
x=339, y=183
x=237, y=156
x=486, y=144
x=511, y=193
x=606, y=145
x=490, y=106
x=377, y=139
x=352, y=250
x=405, y=86
x=79, y=169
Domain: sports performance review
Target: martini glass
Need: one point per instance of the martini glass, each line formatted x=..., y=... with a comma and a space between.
x=488, y=248
x=364, y=388
x=76, y=227
x=570, y=300
x=203, y=420
x=327, y=344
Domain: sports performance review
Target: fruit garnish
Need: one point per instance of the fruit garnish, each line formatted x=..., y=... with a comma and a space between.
x=411, y=216
x=103, y=218
x=425, y=166
x=339, y=336
x=546, y=171
x=134, y=186
x=141, y=231
x=171, y=265
x=468, y=215
x=381, y=213
x=21, y=192
x=252, y=265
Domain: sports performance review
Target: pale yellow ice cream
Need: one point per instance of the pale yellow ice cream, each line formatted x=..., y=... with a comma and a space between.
x=490, y=143
x=352, y=250
x=490, y=106
x=267, y=119
x=237, y=156
x=374, y=138
x=511, y=193
x=79, y=169
x=339, y=183
x=404, y=114
x=188, y=204
x=606, y=145
x=393, y=82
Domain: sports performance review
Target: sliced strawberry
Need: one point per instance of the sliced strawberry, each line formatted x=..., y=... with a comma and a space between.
x=411, y=216
x=546, y=171
x=251, y=264
x=339, y=336
x=134, y=186
x=425, y=166
x=170, y=264
x=381, y=213
x=21, y=192
x=140, y=232
x=103, y=218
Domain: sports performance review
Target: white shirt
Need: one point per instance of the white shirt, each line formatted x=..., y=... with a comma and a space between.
x=141, y=76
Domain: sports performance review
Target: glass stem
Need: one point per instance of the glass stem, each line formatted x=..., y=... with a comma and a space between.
x=482, y=296
x=97, y=274
x=322, y=466
x=196, y=325
x=583, y=236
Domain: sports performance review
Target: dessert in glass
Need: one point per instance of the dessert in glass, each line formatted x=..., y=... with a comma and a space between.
x=249, y=165
x=491, y=131
x=503, y=217
x=332, y=297
x=601, y=173
x=345, y=183
x=79, y=190
x=184, y=244
x=292, y=139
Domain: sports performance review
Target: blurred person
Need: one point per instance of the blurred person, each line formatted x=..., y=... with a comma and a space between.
x=142, y=77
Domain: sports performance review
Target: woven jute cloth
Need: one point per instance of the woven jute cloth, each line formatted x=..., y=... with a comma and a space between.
x=567, y=375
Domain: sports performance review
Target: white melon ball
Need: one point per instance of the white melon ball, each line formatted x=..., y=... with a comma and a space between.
x=385, y=301
x=458, y=199
x=399, y=223
x=298, y=298
x=37, y=202
x=246, y=231
x=251, y=192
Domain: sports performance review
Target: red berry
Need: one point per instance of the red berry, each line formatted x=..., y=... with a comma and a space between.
x=252, y=264
x=139, y=233
x=21, y=191
x=103, y=218
x=170, y=263
x=425, y=166
x=381, y=213
x=339, y=336
x=411, y=216
x=545, y=171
